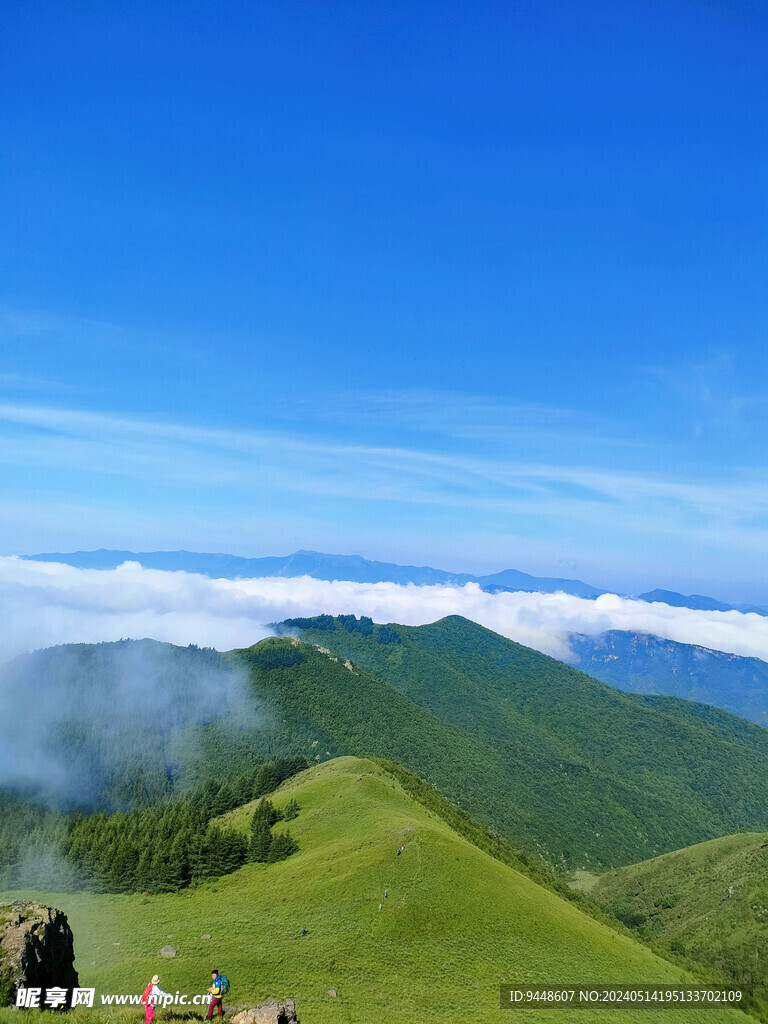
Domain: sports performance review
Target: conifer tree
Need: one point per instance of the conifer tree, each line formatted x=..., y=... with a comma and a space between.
x=267, y=780
x=283, y=845
x=261, y=840
x=224, y=801
x=214, y=845
x=267, y=811
x=242, y=789
x=144, y=870
x=178, y=866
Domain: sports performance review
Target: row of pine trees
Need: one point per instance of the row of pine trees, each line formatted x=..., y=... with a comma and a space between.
x=162, y=848
x=264, y=845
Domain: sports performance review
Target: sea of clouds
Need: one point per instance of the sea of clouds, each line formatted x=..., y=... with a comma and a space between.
x=46, y=603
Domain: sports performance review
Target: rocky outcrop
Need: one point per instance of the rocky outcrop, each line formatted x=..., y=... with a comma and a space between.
x=36, y=949
x=268, y=1013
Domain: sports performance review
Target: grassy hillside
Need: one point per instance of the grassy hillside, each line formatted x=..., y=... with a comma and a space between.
x=456, y=924
x=682, y=901
x=593, y=775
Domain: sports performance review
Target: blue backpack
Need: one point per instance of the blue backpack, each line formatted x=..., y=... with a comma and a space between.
x=224, y=980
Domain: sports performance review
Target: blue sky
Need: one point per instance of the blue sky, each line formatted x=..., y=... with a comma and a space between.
x=473, y=285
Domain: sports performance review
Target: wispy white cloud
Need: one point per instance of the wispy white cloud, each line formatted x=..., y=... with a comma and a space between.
x=715, y=397
x=46, y=603
x=55, y=330
x=30, y=383
x=165, y=452
x=483, y=418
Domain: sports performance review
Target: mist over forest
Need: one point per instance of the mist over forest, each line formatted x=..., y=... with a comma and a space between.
x=114, y=724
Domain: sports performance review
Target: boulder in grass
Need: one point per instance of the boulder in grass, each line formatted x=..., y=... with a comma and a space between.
x=168, y=951
x=268, y=1013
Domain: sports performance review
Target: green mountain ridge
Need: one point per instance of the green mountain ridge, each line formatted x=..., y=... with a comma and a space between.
x=595, y=776
x=557, y=768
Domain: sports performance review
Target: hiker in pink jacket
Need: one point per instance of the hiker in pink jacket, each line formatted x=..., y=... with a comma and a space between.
x=151, y=995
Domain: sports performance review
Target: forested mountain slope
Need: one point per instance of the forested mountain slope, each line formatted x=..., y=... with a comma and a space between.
x=642, y=663
x=583, y=775
x=596, y=775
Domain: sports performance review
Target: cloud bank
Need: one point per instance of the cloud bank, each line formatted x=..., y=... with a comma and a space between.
x=44, y=603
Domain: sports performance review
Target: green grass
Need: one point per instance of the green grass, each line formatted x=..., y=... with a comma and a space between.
x=457, y=923
x=583, y=881
x=681, y=902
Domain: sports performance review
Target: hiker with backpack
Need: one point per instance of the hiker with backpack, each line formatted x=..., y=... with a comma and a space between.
x=151, y=996
x=218, y=990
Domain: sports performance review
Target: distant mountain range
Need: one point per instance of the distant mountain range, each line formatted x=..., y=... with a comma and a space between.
x=641, y=663
x=356, y=569
x=317, y=565
x=698, y=602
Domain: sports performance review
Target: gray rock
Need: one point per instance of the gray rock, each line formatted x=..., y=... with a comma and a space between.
x=206, y=936
x=268, y=1013
x=167, y=951
x=36, y=949
x=332, y=993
